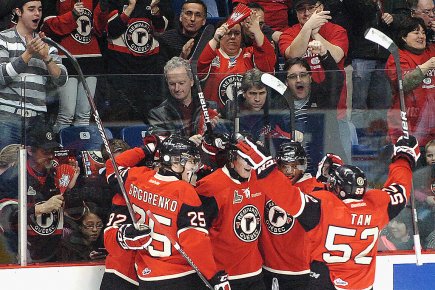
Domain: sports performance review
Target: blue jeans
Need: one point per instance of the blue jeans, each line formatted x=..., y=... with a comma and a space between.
x=371, y=91
x=12, y=127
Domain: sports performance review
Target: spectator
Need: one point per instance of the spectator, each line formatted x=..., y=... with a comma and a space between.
x=133, y=54
x=275, y=12
x=71, y=24
x=417, y=61
x=223, y=61
x=270, y=34
x=85, y=242
x=294, y=42
x=8, y=156
x=180, y=113
x=424, y=190
x=425, y=9
x=311, y=97
x=256, y=117
x=182, y=40
x=27, y=66
x=43, y=197
x=398, y=234
x=371, y=93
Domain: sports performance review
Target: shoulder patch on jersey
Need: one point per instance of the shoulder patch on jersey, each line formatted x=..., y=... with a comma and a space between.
x=238, y=198
x=247, y=223
x=277, y=221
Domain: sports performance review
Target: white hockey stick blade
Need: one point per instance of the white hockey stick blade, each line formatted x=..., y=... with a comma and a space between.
x=378, y=37
x=274, y=83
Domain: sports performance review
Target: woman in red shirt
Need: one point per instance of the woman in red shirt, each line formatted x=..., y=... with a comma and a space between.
x=417, y=59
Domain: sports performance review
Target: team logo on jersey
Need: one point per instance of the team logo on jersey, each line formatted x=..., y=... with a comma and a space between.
x=427, y=81
x=146, y=271
x=138, y=37
x=46, y=223
x=238, y=198
x=247, y=223
x=31, y=191
x=229, y=87
x=247, y=192
x=278, y=222
x=82, y=33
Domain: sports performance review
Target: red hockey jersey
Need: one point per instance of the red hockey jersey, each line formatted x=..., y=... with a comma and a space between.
x=178, y=208
x=75, y=34
x=234, y=211
x=420, y=102
x=333, y=33
x=222, y=73
x=281, y=230
x=346, y=237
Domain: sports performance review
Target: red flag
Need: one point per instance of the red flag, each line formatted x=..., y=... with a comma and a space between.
x=64, y=175
x=239, y=14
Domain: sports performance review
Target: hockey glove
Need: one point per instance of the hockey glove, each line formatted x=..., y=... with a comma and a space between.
x=329, y=163
x=130, y=238
x=408, y=149
x=151, y=142
x=212, y=143
x=251, y=153
x=220, y=281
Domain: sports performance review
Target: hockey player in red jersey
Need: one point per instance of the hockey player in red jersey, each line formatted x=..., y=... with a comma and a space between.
x=283, y=268
x=234, y=197
x=176, y=205
x=344, y=233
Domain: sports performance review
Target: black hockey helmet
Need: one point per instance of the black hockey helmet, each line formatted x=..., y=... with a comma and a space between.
x=292, y=151
x=177, y=149
x=348, y=181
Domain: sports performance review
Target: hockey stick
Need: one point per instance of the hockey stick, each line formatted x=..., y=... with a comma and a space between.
x=179, y=249
x=206, y=35
x=273, y=82
x=99, y=124
x=380, y=38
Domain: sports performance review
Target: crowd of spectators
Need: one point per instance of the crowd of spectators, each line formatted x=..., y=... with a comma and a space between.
x=135, y=55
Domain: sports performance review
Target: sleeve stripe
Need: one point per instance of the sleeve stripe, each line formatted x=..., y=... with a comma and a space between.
x=191, y=228
x=301, y=209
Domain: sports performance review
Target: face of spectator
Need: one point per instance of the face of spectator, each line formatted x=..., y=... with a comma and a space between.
x=180, y=85
x=255, y=98
x=398, y=229
x=304, y=12
x=230, y=43
x=299, y=81
x=425, y=11
x=40, y=159
x=260, y=14
x=242, y=167
x=30, y=16
x=91, y=227
x=430, y=155
x=290, y=169
x=416, y=39
x=192, y=18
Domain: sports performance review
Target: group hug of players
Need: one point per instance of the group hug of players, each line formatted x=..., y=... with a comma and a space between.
x=256, y=223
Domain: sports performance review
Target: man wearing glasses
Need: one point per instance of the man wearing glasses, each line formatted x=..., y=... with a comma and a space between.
x=314, y=24
x=310, y=97
x=425, y=9
x=181, y=40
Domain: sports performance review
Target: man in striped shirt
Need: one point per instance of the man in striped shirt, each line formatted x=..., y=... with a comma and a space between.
x=27, y=65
